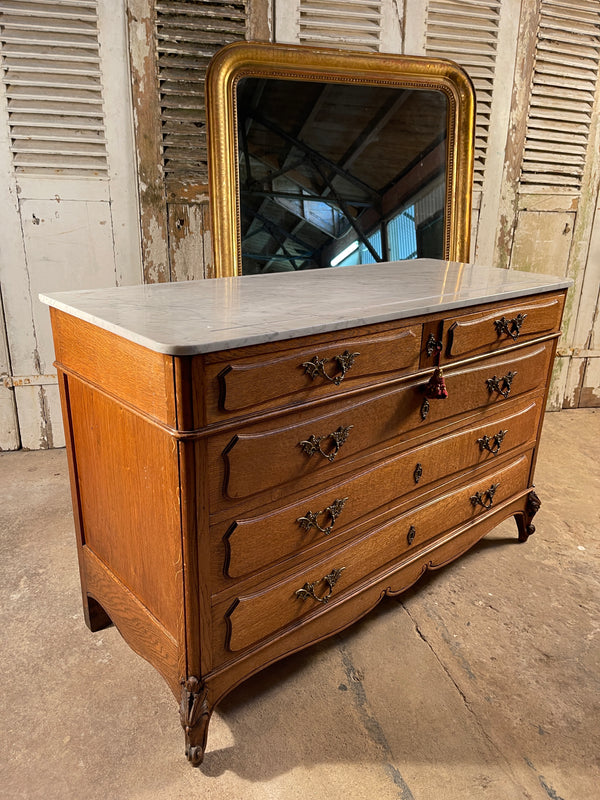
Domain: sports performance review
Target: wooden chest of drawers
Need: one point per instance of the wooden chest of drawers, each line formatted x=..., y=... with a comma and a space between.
x=244, y=486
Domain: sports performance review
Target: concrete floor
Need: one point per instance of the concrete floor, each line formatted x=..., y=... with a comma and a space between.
x=483, y=681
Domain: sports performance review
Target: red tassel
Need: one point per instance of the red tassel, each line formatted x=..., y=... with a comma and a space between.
x=436, y=386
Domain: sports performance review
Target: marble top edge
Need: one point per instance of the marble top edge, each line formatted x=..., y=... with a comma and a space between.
x=188, y=318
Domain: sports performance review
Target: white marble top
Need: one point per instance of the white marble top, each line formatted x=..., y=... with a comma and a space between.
x=203, y=316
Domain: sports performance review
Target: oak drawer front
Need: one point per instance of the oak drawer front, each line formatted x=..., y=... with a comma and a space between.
x=251, y=618
x=297, y=375
x=485, y=331
x=307, y=449
x=254, y=543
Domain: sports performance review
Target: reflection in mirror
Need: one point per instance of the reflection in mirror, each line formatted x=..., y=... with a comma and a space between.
x=332, y=174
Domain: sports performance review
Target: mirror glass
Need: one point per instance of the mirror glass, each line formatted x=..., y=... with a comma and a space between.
x=332, y=174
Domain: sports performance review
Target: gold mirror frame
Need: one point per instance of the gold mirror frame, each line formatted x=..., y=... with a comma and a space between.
x=296, y=62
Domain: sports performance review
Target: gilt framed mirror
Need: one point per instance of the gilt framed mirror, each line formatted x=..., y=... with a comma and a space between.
x=321, y=158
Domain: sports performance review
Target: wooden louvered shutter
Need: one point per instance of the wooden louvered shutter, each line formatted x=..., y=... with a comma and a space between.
x=467, y=32
x=188, y=35
x=481, y=36
x=351, y=24
x=562, y=96
x=51, y=69
x=552, y=175
x=171, y=43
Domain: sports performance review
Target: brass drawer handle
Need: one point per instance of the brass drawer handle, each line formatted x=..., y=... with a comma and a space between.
x=501, y=385
x=418, y=473
x=312, y=445
x=316, y=366
x=479, y=498
x=308, y=590
x=310, y=520
x=493, y=444
x=511, y=327
x=410, y=536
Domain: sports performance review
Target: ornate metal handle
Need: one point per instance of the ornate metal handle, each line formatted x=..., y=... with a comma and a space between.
x=316, y=366
x=312, y=445
x=511, y=327
x=308, y=590
x=478, y=499
x=410, y=536
x=493, y=444
x=310, y=520
x=418, y=473
x=501, y=385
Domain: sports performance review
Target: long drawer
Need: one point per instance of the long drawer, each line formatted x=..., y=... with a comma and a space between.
x=252, y=543
x=313, y=448
x=271, y=378
x=254, y=617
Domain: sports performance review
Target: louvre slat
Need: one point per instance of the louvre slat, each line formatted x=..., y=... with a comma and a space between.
x=48, y=39
x=210, y=34
x=317, y=13
x=342, y=4
x=462, y=9
x=545, y=133
x=49, y=134
x=572, y=52
x=587, y=46
x=325, y=37
x=572, y=8
x=557, y=79
x=544, y=113
x=54, y=11
x=26, y=24
x=40, y=67
x=557, y=22
x=577, y=154
x=558, y=124
x=333, y=24
x=42, y=4
x=53, y=80
x=547, y=100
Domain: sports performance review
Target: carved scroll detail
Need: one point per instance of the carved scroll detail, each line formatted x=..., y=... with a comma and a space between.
x=194, y=714
x=524, y=523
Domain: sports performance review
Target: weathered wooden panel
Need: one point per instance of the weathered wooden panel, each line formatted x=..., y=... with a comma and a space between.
x=40, y=420
x=187, y=241
x=9, y=426
x=146, y=117
x=542, y=242
x=589, y=396
x=68, y=245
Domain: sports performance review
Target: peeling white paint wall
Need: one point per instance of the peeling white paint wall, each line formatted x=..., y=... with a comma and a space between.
x=62, y=227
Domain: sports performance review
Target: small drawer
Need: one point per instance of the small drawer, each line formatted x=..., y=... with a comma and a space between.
x=253, y=543
x=271, y=378
x=305, y=449
x=470, y=335
x=256, y=616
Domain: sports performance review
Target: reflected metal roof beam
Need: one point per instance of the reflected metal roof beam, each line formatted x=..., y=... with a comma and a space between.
x=315, y=155
x=315, y=198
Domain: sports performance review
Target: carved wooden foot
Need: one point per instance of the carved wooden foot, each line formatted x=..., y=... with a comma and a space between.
x=194, y=713
x=524, y=523
x=95, y=616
